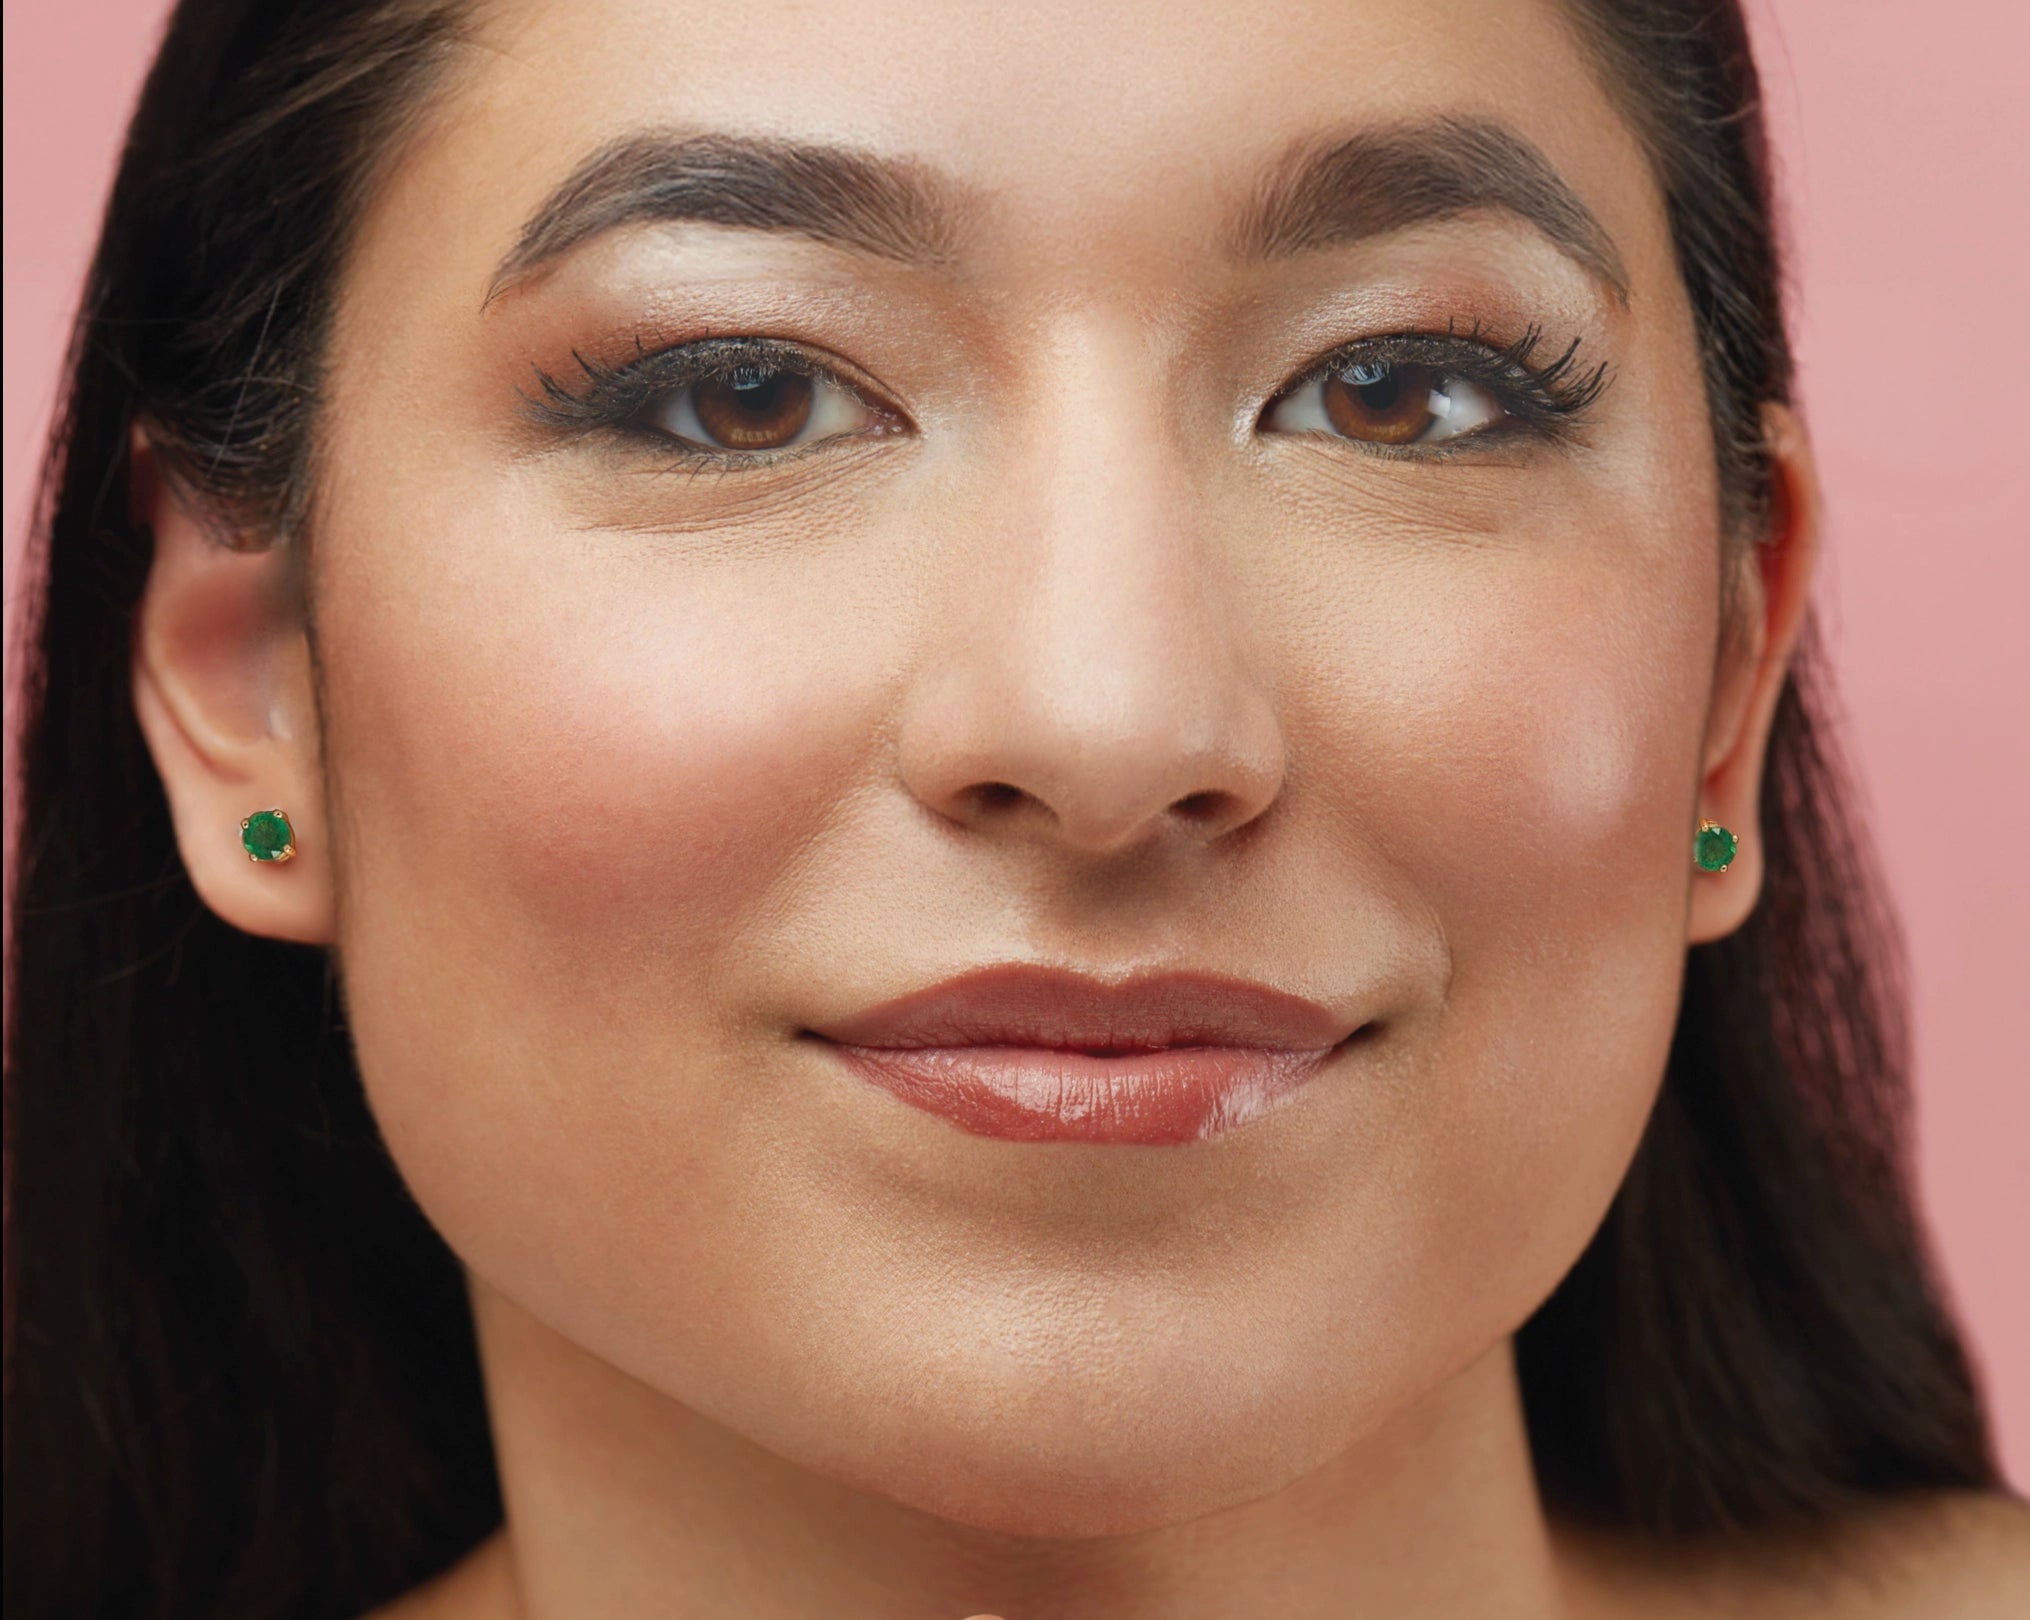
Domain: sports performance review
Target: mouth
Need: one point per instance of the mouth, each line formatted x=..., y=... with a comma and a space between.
x=1042, y=1054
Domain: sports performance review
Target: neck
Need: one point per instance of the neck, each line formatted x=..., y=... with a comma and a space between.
x=623, y=1502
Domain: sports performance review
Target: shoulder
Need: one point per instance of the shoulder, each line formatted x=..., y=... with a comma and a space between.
x=476, y=1587
x=1951, y=1556
x=1957, y=1555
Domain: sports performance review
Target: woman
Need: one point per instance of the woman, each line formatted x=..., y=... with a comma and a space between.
x=889, y=811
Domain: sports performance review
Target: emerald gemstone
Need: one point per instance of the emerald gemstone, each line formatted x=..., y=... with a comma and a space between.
x=1715, y=848
x=267, y=836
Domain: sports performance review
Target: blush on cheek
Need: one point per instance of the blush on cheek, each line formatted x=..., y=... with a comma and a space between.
x=660, y=806
x=1556, y=734
x=609, y=789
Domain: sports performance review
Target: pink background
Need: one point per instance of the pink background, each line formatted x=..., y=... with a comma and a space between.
x=1903, y=131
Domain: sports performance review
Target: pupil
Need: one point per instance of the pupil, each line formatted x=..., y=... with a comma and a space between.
x=1380, y=389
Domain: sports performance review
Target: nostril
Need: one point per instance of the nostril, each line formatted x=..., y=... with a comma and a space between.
x=995, y=795
x=1202, y=806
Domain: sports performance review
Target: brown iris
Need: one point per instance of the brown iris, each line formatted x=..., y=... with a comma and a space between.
x=753, y=408
x=1385, y=404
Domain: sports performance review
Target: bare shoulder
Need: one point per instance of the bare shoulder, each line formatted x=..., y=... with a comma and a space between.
x=1946, y=1556
x=1957, y=1555
x=1951, y=1555
x=477, y=1587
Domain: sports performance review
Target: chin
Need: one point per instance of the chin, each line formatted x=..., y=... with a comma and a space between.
x=1083, y=1458
x=1026, y=1484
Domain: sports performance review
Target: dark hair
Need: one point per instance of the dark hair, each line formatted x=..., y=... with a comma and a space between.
x=241, y=1370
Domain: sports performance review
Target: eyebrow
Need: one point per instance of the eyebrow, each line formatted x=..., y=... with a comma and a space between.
x=889, y=207
x=1324, y=191
x=1328, y=191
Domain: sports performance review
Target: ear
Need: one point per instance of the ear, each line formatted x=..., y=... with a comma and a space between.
x=1774, y=591
x=223, y=691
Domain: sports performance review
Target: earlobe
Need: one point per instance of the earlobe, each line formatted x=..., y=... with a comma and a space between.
x=1774, y=597
x=223, y=692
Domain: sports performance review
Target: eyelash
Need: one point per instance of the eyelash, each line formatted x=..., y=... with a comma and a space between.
x=1544, y=401
x=615, y=396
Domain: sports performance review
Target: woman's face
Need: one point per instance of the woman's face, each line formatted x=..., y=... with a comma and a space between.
x=1063, y=623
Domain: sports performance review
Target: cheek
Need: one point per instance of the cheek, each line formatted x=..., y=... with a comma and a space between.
x=611, y=775
x=568, y=797
x=1556, y=732
x=1533, y=768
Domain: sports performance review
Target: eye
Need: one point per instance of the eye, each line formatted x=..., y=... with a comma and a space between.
x=1387, y=402
x=758, y=407
x=735, y=402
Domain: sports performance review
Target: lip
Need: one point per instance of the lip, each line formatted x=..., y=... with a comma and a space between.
x=1040, y=1054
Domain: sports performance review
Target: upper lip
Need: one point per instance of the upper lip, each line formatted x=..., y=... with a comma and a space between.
x=1020, y=1005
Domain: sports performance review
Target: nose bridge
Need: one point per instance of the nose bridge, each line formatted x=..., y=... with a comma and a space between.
x=1092, y=679
x=1103, y=555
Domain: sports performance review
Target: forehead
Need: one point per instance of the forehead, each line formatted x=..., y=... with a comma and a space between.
x=1082, y=127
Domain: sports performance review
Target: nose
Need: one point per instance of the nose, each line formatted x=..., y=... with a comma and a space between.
x=1090, y=686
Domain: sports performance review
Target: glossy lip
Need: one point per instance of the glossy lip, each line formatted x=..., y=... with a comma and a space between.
x=1043, y=1054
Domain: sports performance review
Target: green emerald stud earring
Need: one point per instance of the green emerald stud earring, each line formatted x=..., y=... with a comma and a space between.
x=1714, y=847
x=267, y=836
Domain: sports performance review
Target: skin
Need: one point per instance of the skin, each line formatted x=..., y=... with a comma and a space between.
x=608, y=778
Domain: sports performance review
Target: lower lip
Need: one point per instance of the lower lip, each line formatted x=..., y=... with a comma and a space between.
x=1034, y=1094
